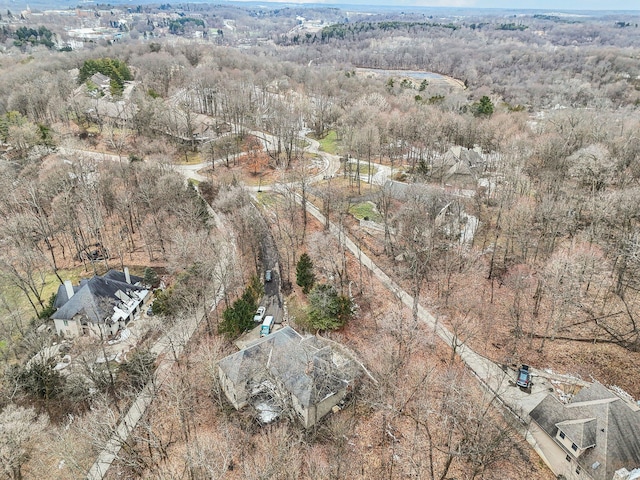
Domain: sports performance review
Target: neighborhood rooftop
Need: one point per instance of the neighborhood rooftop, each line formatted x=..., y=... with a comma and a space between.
x=306, y=369
x=598, y=430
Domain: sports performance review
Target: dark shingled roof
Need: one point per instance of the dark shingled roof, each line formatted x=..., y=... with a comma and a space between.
x=303, y=365
x=582, y=432
x=240, y=365
x=596, y=416
x=95, y=299
x=61, y=296
x=120, y=277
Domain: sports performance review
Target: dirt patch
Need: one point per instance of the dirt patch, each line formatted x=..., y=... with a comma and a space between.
x=266, y=175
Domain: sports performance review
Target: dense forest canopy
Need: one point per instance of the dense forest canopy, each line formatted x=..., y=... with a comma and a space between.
x=490, y=164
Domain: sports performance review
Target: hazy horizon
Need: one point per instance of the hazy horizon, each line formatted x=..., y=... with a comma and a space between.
x=547, y=5
x=613, y=5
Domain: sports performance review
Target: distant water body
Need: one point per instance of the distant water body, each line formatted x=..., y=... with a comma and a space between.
x=432, y=77
x=418, y=75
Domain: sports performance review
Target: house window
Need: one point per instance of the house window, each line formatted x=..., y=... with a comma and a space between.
x=578, y=470
x=574, y=447
x=561, y=434
x=568, y=458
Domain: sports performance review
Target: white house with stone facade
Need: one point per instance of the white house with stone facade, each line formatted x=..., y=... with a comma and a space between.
x=99, y=306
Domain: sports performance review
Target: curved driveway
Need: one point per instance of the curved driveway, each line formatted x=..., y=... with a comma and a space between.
x=499, y=381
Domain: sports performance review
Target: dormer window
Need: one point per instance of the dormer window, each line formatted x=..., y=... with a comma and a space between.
x=574, y=447
x=561, y=434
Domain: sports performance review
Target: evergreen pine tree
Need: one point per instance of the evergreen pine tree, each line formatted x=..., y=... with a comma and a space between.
x=151, y=277
x=305, y=277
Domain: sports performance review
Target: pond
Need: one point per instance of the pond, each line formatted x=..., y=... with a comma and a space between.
x=432, y=77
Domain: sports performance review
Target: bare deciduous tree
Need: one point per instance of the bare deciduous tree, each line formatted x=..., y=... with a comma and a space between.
x=19, y=431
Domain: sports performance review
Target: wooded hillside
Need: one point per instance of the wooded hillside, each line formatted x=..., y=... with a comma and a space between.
x=498, y=187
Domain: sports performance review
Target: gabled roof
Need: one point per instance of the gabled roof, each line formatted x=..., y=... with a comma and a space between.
x=458, y=154
x=304, y=366
x=100, y=79
x=582, y=431
x=598, y=420
x=238, y=365
x=62, y=297
x=307, y=373
x=460, y=161
x=96, y=298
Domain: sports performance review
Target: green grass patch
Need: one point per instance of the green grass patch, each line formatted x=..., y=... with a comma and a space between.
x=268, y=198
x=365, y=211
x=73, y=274
x=16, y=297
x=329, y=143
x=297, y=308
x=365, y=170
x=189, y=158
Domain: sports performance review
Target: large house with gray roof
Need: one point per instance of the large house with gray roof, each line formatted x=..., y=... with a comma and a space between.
x=459, y=165
x=287, y=374
x=595, y=436
x=98, y=306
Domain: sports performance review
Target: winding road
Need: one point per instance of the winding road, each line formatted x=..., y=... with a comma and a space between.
x=498, y=380
x=495, y=378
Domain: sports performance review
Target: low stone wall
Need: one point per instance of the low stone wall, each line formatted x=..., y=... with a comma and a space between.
x=372, y=225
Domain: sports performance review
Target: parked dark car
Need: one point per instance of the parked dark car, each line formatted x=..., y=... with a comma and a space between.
x=524, y=377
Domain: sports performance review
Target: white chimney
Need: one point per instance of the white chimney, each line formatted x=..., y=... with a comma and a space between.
x=127, y=277
x=68, y=286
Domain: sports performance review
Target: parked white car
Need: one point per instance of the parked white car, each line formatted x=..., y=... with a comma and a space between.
x=259, y=314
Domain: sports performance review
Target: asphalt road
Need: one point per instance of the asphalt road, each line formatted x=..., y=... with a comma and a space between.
x=272, y=299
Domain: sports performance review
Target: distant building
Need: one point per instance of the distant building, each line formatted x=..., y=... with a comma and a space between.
x=286, y=373
x=460, y=165
x=92, y=34
x=99, y=306
x=102, y=82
